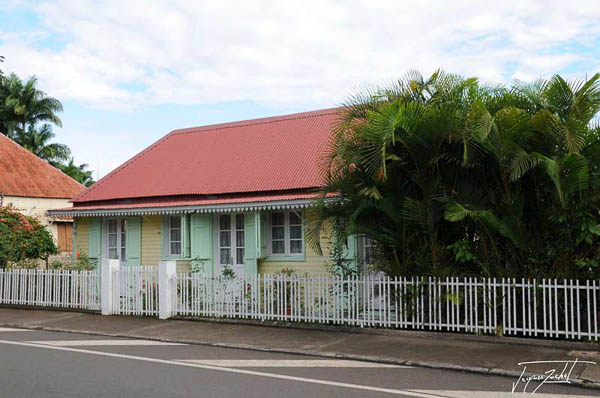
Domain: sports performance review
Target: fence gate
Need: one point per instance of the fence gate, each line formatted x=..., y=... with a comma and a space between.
x=135, y=290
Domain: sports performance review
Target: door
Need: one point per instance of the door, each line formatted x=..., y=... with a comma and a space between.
x=230, y=242
x=116, y=239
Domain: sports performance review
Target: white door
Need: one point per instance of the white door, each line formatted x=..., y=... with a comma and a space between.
x=230, y=243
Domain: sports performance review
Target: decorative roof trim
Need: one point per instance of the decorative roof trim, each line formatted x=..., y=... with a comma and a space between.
x=221, y=208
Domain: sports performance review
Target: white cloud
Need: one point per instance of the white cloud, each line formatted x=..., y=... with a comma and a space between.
x=308, y=52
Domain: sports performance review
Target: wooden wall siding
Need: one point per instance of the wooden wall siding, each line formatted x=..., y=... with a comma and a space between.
x=312, y=264
x=152, y=243
x=82, y=237
x=183, y=266
x=151, y=240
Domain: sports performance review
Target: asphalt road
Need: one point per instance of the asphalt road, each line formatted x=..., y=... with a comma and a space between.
x=52, y=364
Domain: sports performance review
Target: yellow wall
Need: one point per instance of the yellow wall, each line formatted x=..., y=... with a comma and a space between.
x=312, y=264
x=81, y=243
x=151, y=240
x=152, y=243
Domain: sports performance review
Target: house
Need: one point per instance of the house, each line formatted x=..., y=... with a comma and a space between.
x=230, y=195
x=33, y=187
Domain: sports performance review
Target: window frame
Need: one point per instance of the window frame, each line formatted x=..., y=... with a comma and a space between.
x=287, y=254
x=120, y=234
x=364, y=245
x=168, y=240
x=232, y=232
x=235, y=231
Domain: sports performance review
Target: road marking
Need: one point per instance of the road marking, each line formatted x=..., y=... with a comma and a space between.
x=79, y=343
x=14, y=330
x=289, y=363
x=410, y=393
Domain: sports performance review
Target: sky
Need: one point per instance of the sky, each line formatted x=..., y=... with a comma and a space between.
x=128, y=72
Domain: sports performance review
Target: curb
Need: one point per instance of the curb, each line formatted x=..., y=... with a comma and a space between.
x=532, y=341
x=527, y=341
x=590, y=384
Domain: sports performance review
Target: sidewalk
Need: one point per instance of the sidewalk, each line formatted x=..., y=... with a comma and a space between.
x=447, y=351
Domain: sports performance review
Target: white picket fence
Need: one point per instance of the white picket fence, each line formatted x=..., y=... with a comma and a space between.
x=567, y=309
x=50, y=288
x=548, y=308
x=136, y=290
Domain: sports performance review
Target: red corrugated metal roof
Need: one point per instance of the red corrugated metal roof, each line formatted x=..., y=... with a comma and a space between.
x=270, y=154
x=24, y=174
x=144, y=203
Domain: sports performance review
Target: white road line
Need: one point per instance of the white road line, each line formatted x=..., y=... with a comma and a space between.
x=410, y=393
x=229, y=370
x=85, y=343
x=290, y=363
x=15, y=330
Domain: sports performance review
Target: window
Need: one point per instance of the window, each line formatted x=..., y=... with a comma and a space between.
x=278, y=233
x=117, y=238
x=174, y=244
x=295, y=233
x=225, y=238
x=367, y=247
x=231, y=239
x=239, y=239
x=286, y=233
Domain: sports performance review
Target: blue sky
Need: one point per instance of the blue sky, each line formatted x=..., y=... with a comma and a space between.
x=129, y=72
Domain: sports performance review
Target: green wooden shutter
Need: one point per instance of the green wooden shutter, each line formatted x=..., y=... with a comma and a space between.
x=185, y=230
x=262, y=228
x=201, y=242
x=133, y=241
x=250, y=243
x=95, y=244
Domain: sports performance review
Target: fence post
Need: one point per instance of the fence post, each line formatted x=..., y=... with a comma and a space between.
x=167, y=271
x=108, y=284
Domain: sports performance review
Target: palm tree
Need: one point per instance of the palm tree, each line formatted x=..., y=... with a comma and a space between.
x=449, y=175
x=37, y=142
x=24, y=105
x=78, y=173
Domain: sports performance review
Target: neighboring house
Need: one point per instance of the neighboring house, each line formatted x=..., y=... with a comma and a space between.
x=228, y=195
x=33, y=187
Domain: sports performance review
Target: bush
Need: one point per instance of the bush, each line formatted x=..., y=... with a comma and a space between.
x=450, y=176
x=22, y=238
x=83, y=262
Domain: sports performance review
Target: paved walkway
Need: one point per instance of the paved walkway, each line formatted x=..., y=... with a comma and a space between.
x=448, y=351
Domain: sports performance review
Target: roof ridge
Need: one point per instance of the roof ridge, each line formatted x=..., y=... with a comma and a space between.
x=255, y=122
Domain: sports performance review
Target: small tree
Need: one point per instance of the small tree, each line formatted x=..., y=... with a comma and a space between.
x=22, y=238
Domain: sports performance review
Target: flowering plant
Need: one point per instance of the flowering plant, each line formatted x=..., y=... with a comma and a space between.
x=22, y=238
